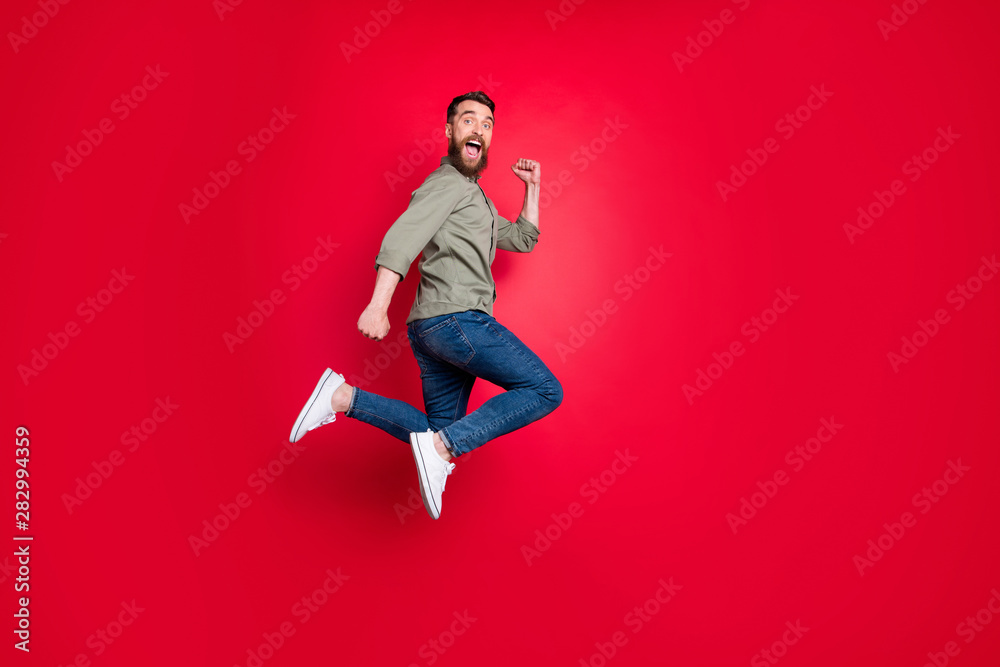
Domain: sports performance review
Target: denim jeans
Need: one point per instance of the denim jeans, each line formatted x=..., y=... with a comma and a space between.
x=452, y=351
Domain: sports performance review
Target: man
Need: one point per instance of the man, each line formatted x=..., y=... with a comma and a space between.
x=451, y=328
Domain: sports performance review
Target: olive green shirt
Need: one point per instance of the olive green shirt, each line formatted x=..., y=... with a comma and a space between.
x=456, y=226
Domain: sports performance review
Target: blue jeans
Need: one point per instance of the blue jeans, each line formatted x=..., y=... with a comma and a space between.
x=452, y=351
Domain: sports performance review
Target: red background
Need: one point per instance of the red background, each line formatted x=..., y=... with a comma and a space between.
x=342, y=503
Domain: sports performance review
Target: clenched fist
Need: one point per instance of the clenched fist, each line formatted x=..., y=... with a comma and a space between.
x=528, y=171
x=374, y=323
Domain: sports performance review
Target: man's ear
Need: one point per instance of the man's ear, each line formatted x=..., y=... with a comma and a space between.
x=447, y=130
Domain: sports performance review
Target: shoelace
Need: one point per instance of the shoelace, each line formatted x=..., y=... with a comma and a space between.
x=448, y=467
x=329, y=419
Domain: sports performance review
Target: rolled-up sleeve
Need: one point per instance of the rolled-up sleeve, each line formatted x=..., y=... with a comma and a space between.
x=517, y=237
x=430, y=205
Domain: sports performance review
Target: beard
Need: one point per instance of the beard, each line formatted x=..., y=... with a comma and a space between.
x=456, y=152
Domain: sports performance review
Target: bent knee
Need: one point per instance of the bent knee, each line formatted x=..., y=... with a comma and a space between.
x=553, y=393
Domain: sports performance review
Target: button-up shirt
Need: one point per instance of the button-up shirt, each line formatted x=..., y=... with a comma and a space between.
x=457, y=227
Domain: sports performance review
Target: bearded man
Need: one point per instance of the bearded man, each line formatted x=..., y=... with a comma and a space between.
x=451, y=328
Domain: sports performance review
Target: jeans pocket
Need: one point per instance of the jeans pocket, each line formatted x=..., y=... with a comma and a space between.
x=448, y=342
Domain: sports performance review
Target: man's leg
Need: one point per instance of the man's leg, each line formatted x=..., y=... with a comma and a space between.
x=446, y=392
x=395, y=417
x=478, y=345
x=446, y=389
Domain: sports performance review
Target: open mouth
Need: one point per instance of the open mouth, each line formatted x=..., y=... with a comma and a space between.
x=472, y=149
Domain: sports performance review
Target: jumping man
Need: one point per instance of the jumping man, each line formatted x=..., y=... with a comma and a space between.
x=451, y=328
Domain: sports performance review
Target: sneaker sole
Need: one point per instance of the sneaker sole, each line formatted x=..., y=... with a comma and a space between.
x=309, y=404
x=418, y=458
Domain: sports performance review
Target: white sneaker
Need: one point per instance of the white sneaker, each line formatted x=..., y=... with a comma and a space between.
x=432, y=470
x=318, y=410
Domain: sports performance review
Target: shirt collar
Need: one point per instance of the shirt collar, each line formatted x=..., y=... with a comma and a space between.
x=447, y=161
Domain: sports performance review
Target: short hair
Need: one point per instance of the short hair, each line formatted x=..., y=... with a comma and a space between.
x=475, y=96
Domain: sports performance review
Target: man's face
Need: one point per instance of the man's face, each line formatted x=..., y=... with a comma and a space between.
x=469, y=135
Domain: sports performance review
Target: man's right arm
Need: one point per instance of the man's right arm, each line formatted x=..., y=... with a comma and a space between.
x=430, y=205
x=374, y=321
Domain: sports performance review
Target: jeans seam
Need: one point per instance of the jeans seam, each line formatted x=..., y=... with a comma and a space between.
x=439, y=325
x=467, y=342
x=453, y=320
x=505, y=419
x=388, y=421
x=518, y=351
x=454, y=415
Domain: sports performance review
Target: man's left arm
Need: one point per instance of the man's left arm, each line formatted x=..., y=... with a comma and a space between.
x=523, y=235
